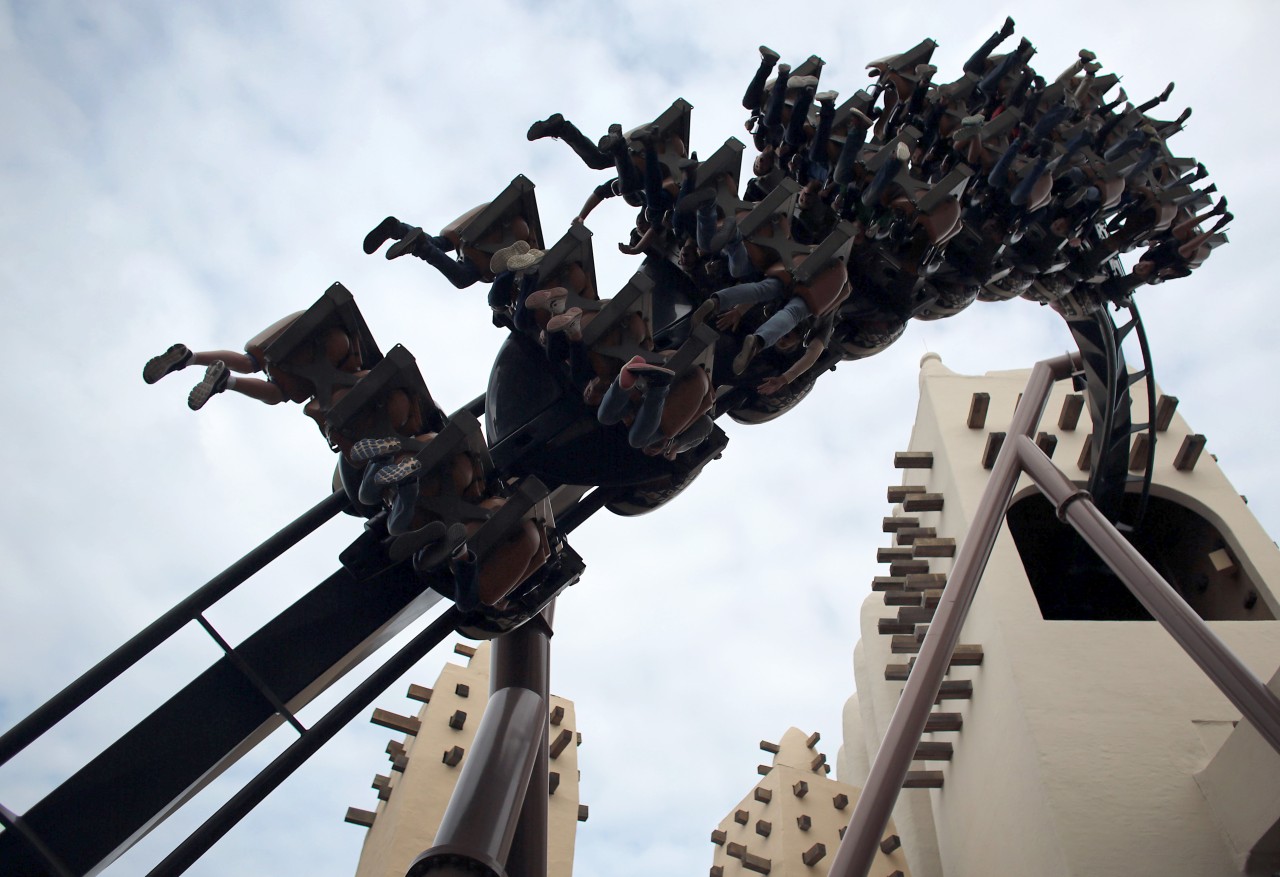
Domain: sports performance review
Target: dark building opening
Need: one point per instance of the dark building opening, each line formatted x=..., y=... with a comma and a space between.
x=1072, y=584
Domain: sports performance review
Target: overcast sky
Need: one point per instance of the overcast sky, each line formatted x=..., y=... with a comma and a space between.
x=192, y=172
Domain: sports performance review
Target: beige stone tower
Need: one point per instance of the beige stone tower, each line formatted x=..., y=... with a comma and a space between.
x=792, y=820
x=1072, y=736
x=426, y=760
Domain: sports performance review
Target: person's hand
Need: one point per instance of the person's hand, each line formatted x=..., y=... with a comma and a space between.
x=577, y=220
x=729, y=320
x=769, y=386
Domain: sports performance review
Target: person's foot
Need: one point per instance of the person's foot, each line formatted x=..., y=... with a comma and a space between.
x=524, y=261
x=384, y=231
x=639, y=367
x=690, y=167
x=394, y=473
x=407, y=244
x=550, y=300
x=370, y=448
x=750, y=347
x=214, y=382
x=436, y=548
x=613, y=140
x=769, y=54
x=695, y=199
x=802, y=82
x=654, y=375
x=646, y=134
x=548, y=127
x=174, y=359
x=498, y=263
x=706, y=309
x=570, y=323
x=828, y=97
x=1007, y=29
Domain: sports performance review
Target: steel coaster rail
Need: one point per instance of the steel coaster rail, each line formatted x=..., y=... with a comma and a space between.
x=50, y=860
x=1259, y=705
x=1135, y=325
x=282, y=767
x=109, y=668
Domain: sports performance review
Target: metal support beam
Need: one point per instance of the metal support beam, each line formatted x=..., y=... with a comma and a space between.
x=284, y=764
x=66, y=701
x=1259, y=705
x=479, y=826
x=523, y=658
x=889, y=770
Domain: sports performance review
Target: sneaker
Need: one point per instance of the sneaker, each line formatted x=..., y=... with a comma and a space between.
x=626, y=379
x=384, y=231
x=498, y=263
x=550, y=300
x=214, y=382
x=750, y=347
x=548, y=127
x=645, y=134
x=570, y=323
x=802, y=82
x=436, y=549
x=611, y=141
x=826, y=97
x=861, y=117
x=367, y=449
x=706, y=309
x=407, y=244
x=525, y=261
x=654, y=375
x=394, y=473
x=174, y=359
x=769, y=54
x=695, y=199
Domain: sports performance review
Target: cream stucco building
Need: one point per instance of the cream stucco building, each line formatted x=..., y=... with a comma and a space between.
x=427, y=755
x=792, y=820
x=1073, y=738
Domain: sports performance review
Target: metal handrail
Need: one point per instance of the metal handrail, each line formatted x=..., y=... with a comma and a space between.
x=62, y=704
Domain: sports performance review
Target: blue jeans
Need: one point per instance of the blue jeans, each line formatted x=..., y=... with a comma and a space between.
x=460, y=271
x=647, y=425
x=783, y=321
x=750, y=293
x=768, y=289
x=740, y=266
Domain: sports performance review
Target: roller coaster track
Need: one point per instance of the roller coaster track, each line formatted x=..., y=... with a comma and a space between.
x=1109, y=385
x=102, y=809
x=91, y=818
